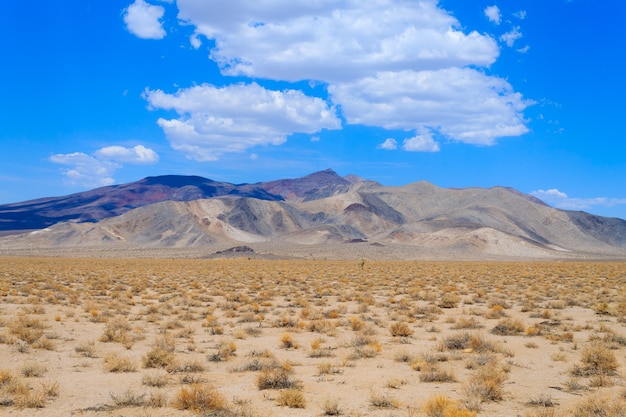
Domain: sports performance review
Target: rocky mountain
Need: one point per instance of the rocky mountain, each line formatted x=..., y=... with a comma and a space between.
x=104, y=202
x=326, y=213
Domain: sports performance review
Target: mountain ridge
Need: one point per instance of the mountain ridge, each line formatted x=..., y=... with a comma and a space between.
x=324, y=210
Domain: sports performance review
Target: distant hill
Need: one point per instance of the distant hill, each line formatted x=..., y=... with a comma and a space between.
x=353, y=216
x=104, y=202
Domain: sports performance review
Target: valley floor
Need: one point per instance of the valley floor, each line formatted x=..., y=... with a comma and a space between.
x=256, y=337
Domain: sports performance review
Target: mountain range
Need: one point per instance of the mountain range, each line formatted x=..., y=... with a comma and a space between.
x=321, y=214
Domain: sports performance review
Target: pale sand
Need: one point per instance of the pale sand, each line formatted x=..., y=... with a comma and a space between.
x=76, y=298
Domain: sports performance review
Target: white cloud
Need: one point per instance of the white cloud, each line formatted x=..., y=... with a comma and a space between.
x=389, y=144
x=332, y=40
x=423, y=142
x=521, y=15
x=493, y=14
x=213, y=121
x=559, y=199
x=86, y=170
x=524, y=49
x=97, y=170
x=195, y=41
x=137, y=155
x=394, y=64
x=510, y=37
x=462, y=104
x=144, y=20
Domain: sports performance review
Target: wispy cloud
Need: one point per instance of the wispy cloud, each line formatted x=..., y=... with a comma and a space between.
x=559, y=199
x=144, y=20
x=97, y=170
x=511, y=36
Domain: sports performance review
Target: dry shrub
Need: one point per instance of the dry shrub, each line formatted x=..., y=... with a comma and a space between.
x=330, y=407
x=327, y=368
x=157, y=400
x=466, y=323
x=116, y=330
x=465, y=340
x=27, y=329
x=128, y=398
x=596, y=360
x=485, y=385
x=431, y=372
x=509, y=327
x=199, y=398
x=162, y=353
x=292, y=398
x=356, y=323
x=441, y=406
x=114, y=362
x=32, y=369
x=225, y=350
x=287, y=342
x=156, y=379
x=87, y=350
x=448, y=301
x=191, y=365
x=495, y=312
x=277, y=378
x=381, y=400
x=30, y=399
x=599, y=406
x=400, y=329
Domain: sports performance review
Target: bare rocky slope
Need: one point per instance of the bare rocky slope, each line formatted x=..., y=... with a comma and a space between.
x=320, y=215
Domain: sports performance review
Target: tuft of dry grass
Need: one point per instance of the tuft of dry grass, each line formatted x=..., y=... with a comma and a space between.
x=382, y=400
x=114, y=362
x=400, y=329
x=277, y=378
x=442, y=406
x=292, y=398
x=330, y=407
x=199, y=398
x=486, y=384
x=162, y=353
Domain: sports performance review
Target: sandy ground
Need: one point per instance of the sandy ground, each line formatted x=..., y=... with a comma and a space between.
x=329, y=323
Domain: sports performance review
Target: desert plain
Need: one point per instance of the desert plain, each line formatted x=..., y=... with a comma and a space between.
x=256, y=337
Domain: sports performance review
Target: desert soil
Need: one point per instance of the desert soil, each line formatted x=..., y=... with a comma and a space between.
x=133, y=337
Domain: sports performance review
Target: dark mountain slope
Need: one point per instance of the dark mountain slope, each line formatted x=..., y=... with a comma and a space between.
x=104, y=202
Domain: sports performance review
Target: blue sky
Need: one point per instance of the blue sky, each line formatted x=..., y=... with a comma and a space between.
x=526, y=94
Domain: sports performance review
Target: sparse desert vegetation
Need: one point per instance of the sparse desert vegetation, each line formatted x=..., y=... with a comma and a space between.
x=257, y=338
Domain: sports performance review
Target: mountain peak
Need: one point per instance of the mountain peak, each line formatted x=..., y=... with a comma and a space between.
x=317, y=185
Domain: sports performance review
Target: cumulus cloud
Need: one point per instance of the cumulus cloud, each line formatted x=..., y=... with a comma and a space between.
x=97, y=170
x=331, y=40
x=423, y=142
x=213, y=121
x=493, y=14
x=559, y=199
x=137, y=155
x=461, y=103
x=144, y=20
x=389, y=144
x=394, y=64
